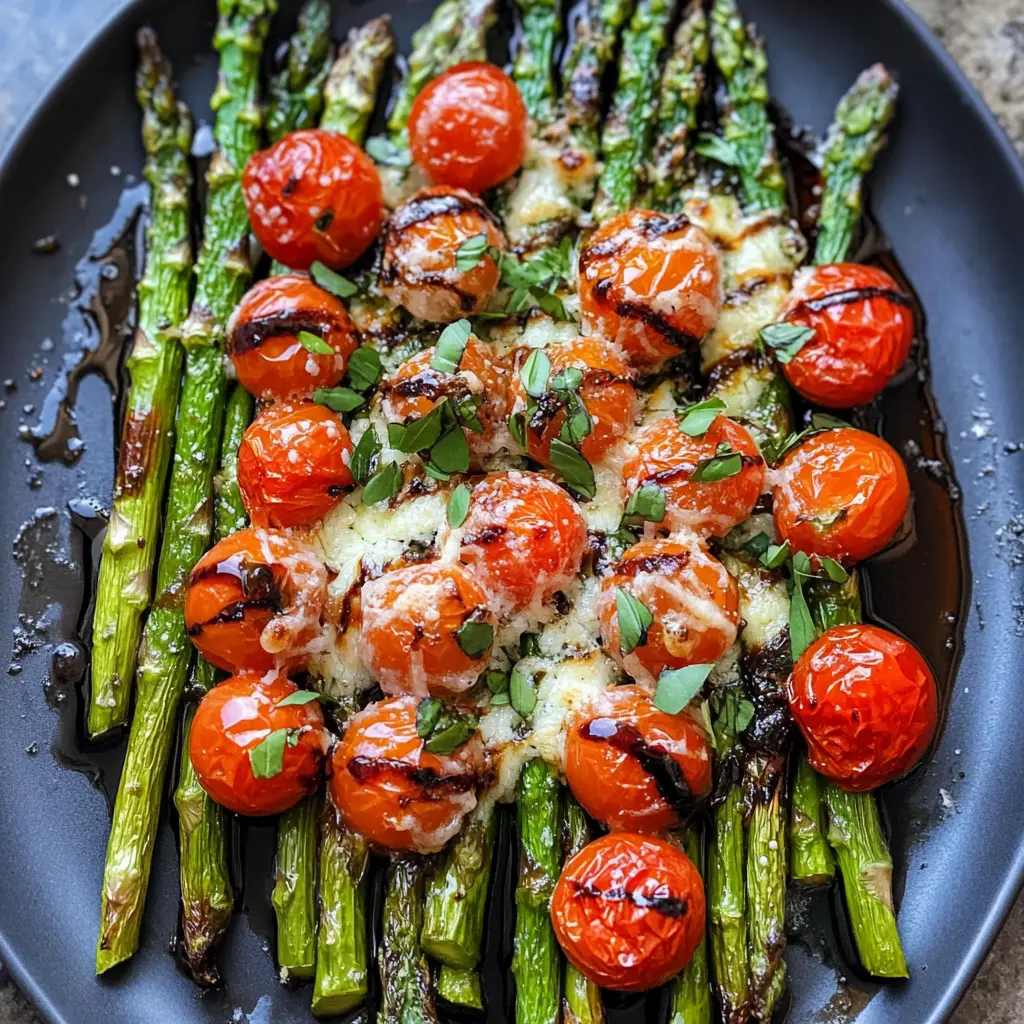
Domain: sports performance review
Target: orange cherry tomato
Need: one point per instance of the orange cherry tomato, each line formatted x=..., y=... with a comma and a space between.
x=633, y=767
x=468, y=127
x=395, y=793
x=628, y=911
x=421, y=243
x=313, y=195
x=692, y=598
x=842, y=494
x=523, y=538
x=662, y=454
x=480, y=382
x=866, y=703
x=254, y=601
x=263, y=344
x=234, y=718
x=293, y=464
x=651, y=283
x=863, y=327
x=426, y=628
x=606, y=390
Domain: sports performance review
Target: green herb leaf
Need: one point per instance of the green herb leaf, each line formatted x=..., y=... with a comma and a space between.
x=786, y=339
x=522, y=692
x=725, y=464
x=578, y=425
x=313, y=343
x=470, y=253
x=646, y=505
x=466, y=410
x=568, y=379
x=716, y=148
x=822, y=421
x=634, y=620
x=535, y=373
x=518, y=302
x=267, y=757
x=757, y=545
x=384, y=484
x=802, y=564
x=794, y=440
x=551, y=304
x=450, y=453
x=498, y=682
x=517, y=428
x=801, y=625
x=450, y=346
x=501, y=698
x=434, y=473
x=835, y=572
x=362, y=461
x=696, y=419
x=775, y=555
x=453, y=735
x=744, y=715
x=427, y=714
x=419, y=434
x=332, y=282
x=338, y=399
x=384, y=152
x=677, y=687
x=364, y=368
x=298, y=697
x=574, y=469
x=519, y=275
x=458, y=505
x=475, y=638
x=529, y=645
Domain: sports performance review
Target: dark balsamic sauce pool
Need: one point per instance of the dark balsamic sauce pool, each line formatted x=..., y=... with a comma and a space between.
x=97, y=329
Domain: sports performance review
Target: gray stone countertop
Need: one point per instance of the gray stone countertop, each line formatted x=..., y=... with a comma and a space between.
x=985, y=36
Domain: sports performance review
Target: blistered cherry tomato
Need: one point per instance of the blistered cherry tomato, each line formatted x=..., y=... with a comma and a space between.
x=263, y=344
x=628, y=911
x=313, y=195
x=293, y=464
x=866, y=703
x=842, y=494
x=468, y=127
x=421, y=245
x=254, y=601
x=392, y=791
x=693, y=600
x=863, y=327
x=651, y=283
x=234, y=718
x=479, y=388
x=605, y=387
x=663, y=455
x=633, y=767
x=523, y=538
x=426, y=628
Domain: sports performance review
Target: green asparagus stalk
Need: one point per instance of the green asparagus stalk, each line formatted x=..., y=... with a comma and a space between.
x=854, y=141
x=811, y=860
x=406, y=993
x=460, y=987
x=682, y=85
x=350, y=94
x=455, y=910
x=124, y=587
x=295, y=96
x=537, y=960
x=581, y=1001
x=478, y=18
x=534, y=65
x=206, y=892
x=626, y=138
x=342, y=971
x=223, y=271
x=746, y=126
x=294, y=895
x=690, y=999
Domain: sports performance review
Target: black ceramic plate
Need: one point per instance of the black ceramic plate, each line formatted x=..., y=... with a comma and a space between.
x=949, y=195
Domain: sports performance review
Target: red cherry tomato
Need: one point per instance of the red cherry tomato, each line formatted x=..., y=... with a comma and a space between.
x=263, y=344
x=606, y=390
x=313, y=195
x=866, y=703
x=628, y=911
x=842, y=494
x=693, y=600
x=523, y=538
x=426, y=628
x=421, y=245
x=254, y=600
x=480, y=382
x=468, y=127
x=863, y=328
x=662, y=454
x=392, y=791
x=634, y=767
x=234, y=718
x=293, y=464
x=651, y=283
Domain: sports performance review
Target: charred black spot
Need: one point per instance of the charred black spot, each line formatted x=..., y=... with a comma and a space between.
x=257, y=584
x=290, y=185
x=139, y=442
x=664, y=563
x=423, y=208
x=250, y=334
x=324, y=221
x=432, y=785
x=667, y=906
x=488, y=535
x=850, y=295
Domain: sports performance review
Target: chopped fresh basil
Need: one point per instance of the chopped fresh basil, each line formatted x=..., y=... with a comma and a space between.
x=298, y=697
x=578, y=424
x=822, y=421
x=384, y=152
x=568, y=379
x=535, y=372
x=384, y=484
x=470, y=253
x=757, y=545
x=434, y=473
x=723, y=464
x=364, y=368
x=835, y=572
x=362, y=461
x=501, y=698
x=775, y=555
x=786, y=339
x=267, y=757
x=801, y=625
x=744, y=715
x=458, y=505
x=802, y=564
x=522, y=692
x=517, y=428
x=696, y=419
x=450, y=453
x=646, y=505
x=551, y=304
x=334, y=283
x=338, y=399
x=497, y=682
x=519, y=302
x=634, y=618
x=419, y=434
x=574, y=469
x=450, y=346
x=313, y=343
x=716, y=148
x=452, y=732
x=677, y=687
x=475, y=638
x=466, y=410
x=427, y=713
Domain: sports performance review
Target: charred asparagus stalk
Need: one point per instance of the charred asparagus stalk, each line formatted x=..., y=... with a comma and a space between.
x=690, y=1000
x=534, y=66
x=811, y=860
x=581, y=1001
x=294, y=895
x=295, y=96
x=460, y=988
x=223, y=271
x=124, y=587
x=350, y=94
